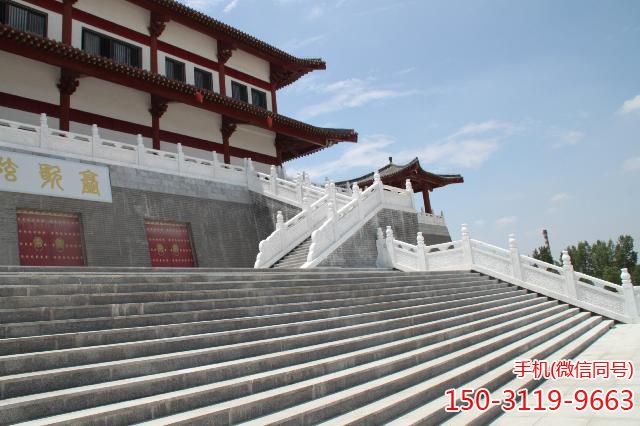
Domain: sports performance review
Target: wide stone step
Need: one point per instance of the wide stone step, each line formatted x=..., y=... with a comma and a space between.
x=16, y=364
x=169, y=277
x=335, y=391
x=85, y=324
x=339, y=354
x=328, y=403
x=211, y=291
x=566, y=346
x=286, y=346
x=386, y=409
x=94, y=338
x=44, y=313
x=67, y=289
x=277, y=377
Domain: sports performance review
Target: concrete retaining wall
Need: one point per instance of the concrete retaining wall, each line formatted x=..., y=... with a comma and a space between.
x=227, y=221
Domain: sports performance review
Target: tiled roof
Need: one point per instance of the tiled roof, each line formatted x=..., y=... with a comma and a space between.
x=73, y=55
x=240, y=36
x=395, y=170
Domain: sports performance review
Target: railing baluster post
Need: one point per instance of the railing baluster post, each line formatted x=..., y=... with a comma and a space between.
x=141, y=150
x=280, y=228
x=215, y=165
x=391, y=246
x=515, y=257
x=95, y=140
x=467, y=254
x=355, y=194
x=382, y=260
x=421, y=263
x=378, y=182
x=180, y=158
x=44, y=131
x=409, y=189
x=569, y=276
x=332, y=196
x=630, y=305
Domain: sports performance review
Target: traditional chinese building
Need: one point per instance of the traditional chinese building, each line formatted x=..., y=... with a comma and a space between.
x=396, y=175
x=155, y=68
x=145, y=133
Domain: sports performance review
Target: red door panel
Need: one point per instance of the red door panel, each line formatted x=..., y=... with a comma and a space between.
x=169, y=244
x=49, y=239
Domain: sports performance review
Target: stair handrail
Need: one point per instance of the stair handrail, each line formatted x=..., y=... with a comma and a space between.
x=291, y=233
x=93, y=147
x=620, y=302
x=344, y=222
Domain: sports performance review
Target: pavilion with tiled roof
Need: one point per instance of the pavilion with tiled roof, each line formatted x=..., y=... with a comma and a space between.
x=397, y=175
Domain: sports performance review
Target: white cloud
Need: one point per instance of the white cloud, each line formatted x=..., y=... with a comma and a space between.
x=631, y=164
x=560, y=196
x=506, y=221
x=631, y=105
x=346, y=94
x=368, y=154
x=230, y=6
x=316, y=12
x=483, y=127
x=567, y=138
x=404, y=71
x=296, y=44
x=451, y=153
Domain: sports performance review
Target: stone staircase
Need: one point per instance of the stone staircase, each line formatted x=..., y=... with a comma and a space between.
x=296, y=257
x=265, y=347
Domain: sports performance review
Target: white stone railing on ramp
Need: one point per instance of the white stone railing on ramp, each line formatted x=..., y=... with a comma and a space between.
x=343, y=222
x=620, y=302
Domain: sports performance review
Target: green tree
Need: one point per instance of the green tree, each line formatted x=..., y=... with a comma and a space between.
x=581, y=257
x=601, y=257
x=623, y=255
x=544, y=254
x=635, y=275
x=611, y=274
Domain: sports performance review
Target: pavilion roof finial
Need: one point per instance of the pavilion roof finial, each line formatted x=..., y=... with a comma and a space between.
x=390, y=160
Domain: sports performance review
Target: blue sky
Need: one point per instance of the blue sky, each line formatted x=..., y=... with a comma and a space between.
x=535, y=103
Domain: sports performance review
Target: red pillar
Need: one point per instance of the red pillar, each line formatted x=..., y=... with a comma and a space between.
x=68, y=82
x=225, y=51
x=67, y=20
x=157, y=109
x=427, y=202
x=157, y=24
x=274, y=104
x=227, y=129
x=67, y=85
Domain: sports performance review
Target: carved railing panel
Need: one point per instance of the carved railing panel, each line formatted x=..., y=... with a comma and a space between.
x=621, y=302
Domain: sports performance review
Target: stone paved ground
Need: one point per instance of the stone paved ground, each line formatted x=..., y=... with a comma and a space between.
x=621, y=343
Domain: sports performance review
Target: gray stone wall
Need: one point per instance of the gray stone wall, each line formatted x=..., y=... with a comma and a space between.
x=434, y=234
x=227, y=221
x=360, y=249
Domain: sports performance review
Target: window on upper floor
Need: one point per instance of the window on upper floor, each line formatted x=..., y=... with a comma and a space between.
x=239, y=91
x=202, y=79
x=108, y=47
x=259, y=98
x=175, y=70
x=23, y=18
